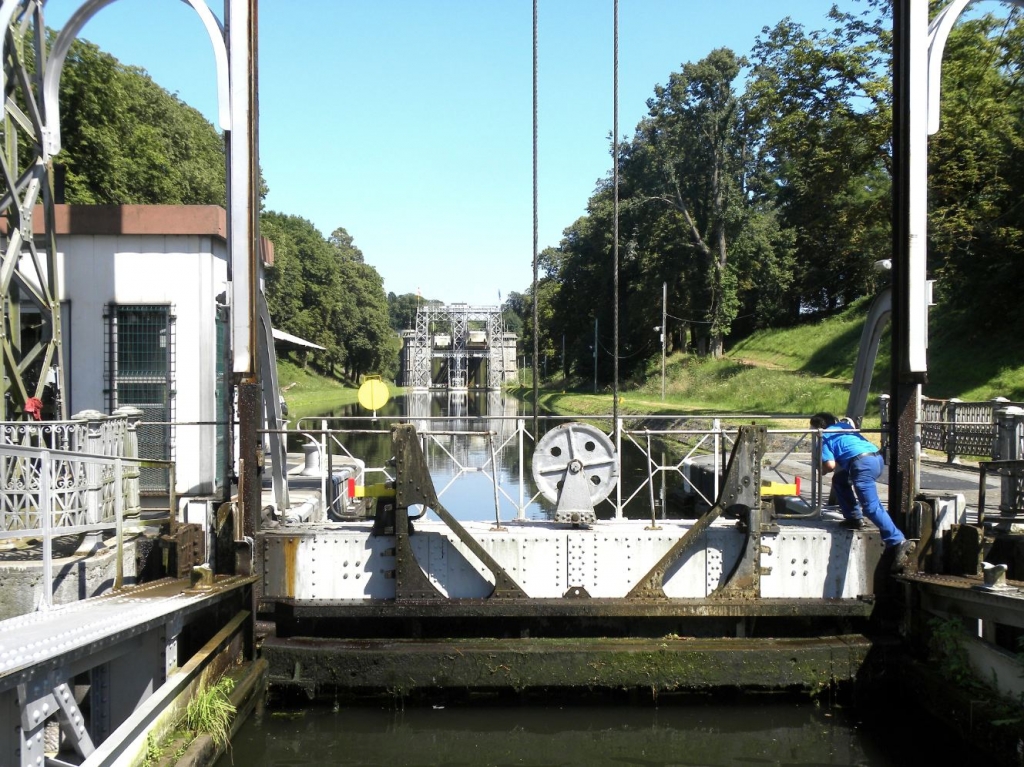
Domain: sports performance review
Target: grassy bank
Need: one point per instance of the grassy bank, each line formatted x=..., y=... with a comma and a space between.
x=308, y=393
x=801, y=370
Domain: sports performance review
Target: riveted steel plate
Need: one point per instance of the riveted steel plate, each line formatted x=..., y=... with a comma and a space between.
x=819, y=564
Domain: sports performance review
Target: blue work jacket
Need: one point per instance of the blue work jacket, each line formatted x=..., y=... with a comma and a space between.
x=840, y=444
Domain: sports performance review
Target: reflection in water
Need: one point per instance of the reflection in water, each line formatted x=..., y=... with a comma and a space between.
x=776, y=733
x=460, y=465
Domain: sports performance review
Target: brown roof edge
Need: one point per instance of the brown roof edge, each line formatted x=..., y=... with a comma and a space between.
x=208, y=220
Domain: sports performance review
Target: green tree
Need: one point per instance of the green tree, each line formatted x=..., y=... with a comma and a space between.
x=128, y=141
x=976, y=227
x=362, y=325
x=819, y=111
x=692, y=154
x=304, y=288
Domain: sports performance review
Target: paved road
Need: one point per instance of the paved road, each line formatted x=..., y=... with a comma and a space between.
x=936, y=476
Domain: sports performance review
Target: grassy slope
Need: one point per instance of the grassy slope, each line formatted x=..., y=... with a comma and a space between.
x=304, y=390
x=804, y=369
x=962, y=363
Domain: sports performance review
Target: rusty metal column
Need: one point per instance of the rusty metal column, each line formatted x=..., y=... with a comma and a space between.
x=243, y=201
x=910, y=24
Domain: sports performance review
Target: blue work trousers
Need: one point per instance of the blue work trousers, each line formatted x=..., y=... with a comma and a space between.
x=855, y=486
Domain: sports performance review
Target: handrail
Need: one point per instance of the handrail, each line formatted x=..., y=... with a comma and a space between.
x=46, y=493
x=712, y=439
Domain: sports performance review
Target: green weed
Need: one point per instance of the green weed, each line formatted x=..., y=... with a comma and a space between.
x=210, y=711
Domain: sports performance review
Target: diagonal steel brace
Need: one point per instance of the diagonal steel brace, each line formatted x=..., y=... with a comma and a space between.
x=413, y=485
x=741, y=491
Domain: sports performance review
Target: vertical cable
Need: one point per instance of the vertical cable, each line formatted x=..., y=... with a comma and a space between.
x=536, y=329
x=615, y=249
x=615, y=212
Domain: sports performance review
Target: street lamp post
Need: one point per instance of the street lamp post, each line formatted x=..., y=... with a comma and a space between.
x=664, y=330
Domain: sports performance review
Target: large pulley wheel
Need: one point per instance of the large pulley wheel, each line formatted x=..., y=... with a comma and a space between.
x=571, y=450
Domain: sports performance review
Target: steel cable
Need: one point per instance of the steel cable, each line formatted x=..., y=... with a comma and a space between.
x=615, y=207
x=536, y=325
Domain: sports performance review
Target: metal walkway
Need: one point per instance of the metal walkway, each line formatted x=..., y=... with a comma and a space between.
x=87, y=682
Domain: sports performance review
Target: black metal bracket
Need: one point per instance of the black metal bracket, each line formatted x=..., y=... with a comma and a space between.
x=414, y=486
x=740, y=493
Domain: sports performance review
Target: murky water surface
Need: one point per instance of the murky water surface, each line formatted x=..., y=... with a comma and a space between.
x=772, y=733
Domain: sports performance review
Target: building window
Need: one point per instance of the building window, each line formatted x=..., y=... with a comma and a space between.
x=140, y=373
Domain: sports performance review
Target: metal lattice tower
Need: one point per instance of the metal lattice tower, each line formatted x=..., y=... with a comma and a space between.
x=458, y=334
x=458, y=369
x=495, y=343
x=421, y=358
x=28, y=279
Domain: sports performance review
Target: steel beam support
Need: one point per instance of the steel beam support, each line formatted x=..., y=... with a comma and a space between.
x=127, y=644
x=250, y=471
x=909, y=305
x=741, y=492
x=415, y=487
x=25, y=180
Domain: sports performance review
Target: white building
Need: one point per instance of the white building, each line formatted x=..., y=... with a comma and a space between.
x=145, y=324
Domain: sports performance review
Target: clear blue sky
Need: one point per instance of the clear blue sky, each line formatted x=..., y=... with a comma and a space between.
x=409, y=122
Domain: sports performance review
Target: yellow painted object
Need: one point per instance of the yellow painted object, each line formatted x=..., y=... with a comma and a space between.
x=373, y=491
x=373, y=394
x=780, y=488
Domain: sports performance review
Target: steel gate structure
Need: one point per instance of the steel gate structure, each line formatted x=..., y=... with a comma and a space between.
x=455, y=334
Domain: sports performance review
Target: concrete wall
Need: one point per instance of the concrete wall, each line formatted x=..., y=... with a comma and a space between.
x=74, y=578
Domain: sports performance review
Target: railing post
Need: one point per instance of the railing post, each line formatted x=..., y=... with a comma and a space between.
x=948, y=415
x=46, y=522
x=618, y=458
x=998, y=403
x=130, y=450
x=119, y=523
x=716, y=424
x=94, y=476
x=1009, y=438
x=521, y=428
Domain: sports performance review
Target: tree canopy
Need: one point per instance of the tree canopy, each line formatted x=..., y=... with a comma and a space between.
x=126, y=140
x=758, y=189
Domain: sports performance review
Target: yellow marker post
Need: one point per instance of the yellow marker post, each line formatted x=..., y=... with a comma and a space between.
x=373, y=394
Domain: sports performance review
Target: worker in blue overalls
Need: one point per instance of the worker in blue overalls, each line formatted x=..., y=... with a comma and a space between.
x=857, y=464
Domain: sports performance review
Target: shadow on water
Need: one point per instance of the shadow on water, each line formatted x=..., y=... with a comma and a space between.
x=460, y=465
x=747, y=731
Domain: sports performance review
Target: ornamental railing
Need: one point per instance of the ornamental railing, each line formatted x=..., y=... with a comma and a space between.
x=958, y=428
x=81, y=489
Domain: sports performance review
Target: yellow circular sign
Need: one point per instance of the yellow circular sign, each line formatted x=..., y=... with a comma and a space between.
x=373, y=394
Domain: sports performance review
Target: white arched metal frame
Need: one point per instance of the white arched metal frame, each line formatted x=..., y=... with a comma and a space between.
x=233, y=56
x=69, y=33
x=927, y=43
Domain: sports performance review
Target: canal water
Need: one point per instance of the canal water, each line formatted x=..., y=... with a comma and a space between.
x=767, y=731
x=748, y=730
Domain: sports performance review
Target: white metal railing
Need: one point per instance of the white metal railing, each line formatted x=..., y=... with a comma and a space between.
x=50, y=493
x=83, y=492
x=704, y=441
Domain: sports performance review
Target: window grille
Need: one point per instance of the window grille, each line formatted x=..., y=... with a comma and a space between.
x=140, y=372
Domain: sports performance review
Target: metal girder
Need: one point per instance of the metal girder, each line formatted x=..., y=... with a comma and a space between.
x=456, y=319
x=740, y=492
x=415, y=487
x=25, y=180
